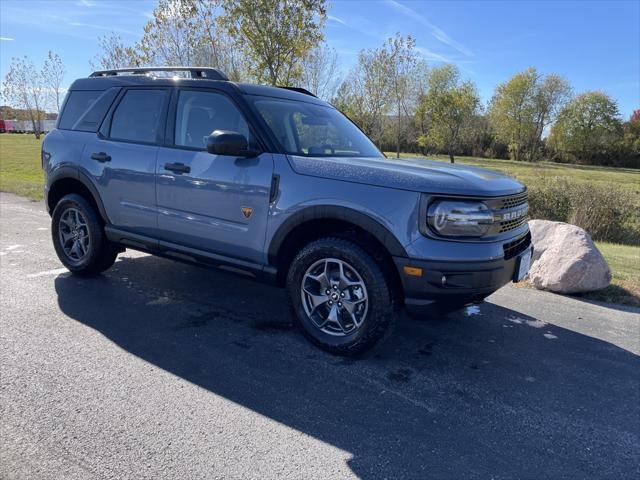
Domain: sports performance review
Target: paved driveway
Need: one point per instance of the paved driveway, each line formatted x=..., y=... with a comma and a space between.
x=162, y=370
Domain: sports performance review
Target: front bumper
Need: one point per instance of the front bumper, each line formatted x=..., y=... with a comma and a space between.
x=457, y=282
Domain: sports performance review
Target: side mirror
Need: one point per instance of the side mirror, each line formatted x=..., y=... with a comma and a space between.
x=226, y=142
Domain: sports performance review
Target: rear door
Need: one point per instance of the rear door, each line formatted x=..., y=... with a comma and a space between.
x=216, y=203
x=122, y=158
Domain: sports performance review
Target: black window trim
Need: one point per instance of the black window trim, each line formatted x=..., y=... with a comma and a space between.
x=169, y=137
x=104, y=132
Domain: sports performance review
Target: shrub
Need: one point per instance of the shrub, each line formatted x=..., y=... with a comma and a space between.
x=607, y=212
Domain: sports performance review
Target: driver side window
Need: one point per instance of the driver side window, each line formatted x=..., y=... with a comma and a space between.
x=199, y=113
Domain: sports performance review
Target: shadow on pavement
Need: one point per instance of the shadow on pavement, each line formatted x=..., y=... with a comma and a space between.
x=492, y=395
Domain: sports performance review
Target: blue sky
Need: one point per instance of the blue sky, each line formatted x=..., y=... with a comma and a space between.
x=595, y=45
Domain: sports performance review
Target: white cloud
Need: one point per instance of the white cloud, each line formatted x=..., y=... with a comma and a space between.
x=436, y=31
x=337, y=20
x=6, y=39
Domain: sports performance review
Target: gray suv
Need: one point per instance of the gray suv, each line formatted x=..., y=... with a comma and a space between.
x=277, y=184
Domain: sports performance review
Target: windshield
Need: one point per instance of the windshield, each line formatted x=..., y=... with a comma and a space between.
x=313, y=130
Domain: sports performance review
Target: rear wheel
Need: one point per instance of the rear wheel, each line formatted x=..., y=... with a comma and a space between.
x=78, y=237
x=339, y=296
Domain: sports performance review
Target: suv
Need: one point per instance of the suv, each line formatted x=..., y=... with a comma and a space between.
x=278, y=184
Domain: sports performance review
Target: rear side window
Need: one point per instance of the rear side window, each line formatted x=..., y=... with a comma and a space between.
x=138, y=116
x=77, y=103
x=90, y=120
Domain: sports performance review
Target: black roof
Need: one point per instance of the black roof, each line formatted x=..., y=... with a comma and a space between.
x=103, y=80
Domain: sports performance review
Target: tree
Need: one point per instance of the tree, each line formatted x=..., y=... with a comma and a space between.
x=551, y=94
x=24, y=88
x=115, y=54
x=523, y=106
x=172, y=36
x=402, y=60
x=319, y=72
x=364, y=96
x=450, y=105
x=53, y=76
x=588, y=128
x=275, y=35
x=512, y=111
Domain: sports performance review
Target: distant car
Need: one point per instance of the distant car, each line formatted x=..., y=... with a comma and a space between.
x=275, y=183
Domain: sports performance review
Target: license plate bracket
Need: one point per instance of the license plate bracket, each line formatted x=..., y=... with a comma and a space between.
x=524, y=263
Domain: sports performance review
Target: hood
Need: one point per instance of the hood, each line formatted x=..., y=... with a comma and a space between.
x=417, y=175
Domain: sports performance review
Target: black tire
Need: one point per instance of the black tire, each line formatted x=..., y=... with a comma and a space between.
x=100, y=253
x=381, y=309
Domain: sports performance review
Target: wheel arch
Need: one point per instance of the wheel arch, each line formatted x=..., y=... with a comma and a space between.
x=68, y=180
x=316, y=222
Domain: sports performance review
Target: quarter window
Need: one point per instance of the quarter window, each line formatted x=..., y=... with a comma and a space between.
x=200, y=113
x=79, y=101
x=138, y=116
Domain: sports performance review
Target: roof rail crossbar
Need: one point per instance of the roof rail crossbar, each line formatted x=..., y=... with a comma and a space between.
x=299, y=90
x=195, y=72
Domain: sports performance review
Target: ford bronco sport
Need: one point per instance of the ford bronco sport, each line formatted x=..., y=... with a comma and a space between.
x=182, y=163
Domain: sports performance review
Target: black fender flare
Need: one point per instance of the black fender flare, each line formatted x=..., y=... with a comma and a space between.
x=64, y=172
x=332, y=212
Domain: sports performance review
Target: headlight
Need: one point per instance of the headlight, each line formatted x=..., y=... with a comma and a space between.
x=452, y=218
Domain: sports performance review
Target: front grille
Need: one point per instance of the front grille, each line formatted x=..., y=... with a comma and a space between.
x=512, y=224
x=508, y=205
x=515, y=248
x=515, y=201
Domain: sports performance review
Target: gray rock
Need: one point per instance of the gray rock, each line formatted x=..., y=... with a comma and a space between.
x=565, y=259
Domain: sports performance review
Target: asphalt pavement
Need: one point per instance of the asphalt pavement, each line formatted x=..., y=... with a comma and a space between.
x=158, y=369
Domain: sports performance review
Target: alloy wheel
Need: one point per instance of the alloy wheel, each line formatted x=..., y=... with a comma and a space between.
x=334, y=296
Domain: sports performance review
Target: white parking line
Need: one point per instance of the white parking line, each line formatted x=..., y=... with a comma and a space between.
x=46, y=273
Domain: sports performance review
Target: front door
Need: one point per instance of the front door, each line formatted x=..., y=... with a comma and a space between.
x=216, y=203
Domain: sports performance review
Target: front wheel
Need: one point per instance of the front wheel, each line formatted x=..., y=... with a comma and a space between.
x=339, y=296
x=78, y=237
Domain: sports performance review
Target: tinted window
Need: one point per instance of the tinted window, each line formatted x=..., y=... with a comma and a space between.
x=138, y=115
x=92, y=118
x=200, y=113
x=76, y=104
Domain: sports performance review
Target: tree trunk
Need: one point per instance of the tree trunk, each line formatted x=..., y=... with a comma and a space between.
x=398, y=134
x=451, y=156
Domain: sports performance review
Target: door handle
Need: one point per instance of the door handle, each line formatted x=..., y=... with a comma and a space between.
x=177, y=167
x=101, y=157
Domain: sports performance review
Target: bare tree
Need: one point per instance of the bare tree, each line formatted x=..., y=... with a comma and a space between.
x=403, y=61
x=115, y=54
x=53, y=76
x=319, y=72
x=24, y=88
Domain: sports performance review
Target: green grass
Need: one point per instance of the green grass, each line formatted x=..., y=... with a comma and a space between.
x=624, y=262
x=20, y=173
x=533, y=173
x=20, y=170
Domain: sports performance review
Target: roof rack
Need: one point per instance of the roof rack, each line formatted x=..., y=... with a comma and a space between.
x=300, y=90
x=196, y=72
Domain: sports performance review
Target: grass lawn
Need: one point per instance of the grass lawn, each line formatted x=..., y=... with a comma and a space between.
x=20, y=170
x=20, y=173
x=533, y=173
x=624, y=262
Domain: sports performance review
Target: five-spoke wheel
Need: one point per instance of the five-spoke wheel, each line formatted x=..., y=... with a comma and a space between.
x=73, y=234
x=78, y=236
x=340, y=295
x=334, y=296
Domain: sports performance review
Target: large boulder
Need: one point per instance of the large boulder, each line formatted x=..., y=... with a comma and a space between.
x=565, y=259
